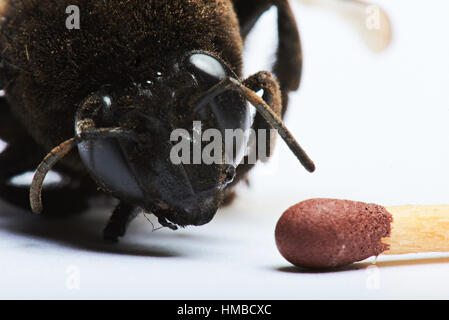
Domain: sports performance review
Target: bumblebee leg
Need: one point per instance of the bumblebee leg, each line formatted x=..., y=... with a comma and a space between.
x=272, y=96
x=119, y=221
x=288, y=65
x=265, y=81
x=230, y=196
x=249, y=12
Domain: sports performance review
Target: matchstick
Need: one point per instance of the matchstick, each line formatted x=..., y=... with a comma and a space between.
x=418, y=229
x=326, y=233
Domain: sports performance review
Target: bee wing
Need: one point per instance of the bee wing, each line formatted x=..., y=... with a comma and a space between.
x=371, y=22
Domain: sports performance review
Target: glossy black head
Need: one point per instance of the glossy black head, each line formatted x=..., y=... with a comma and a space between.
x=144, y=170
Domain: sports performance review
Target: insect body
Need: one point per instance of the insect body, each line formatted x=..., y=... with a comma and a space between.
x=115, y=89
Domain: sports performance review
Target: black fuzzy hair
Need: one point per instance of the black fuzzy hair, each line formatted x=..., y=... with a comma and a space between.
x=53, y=68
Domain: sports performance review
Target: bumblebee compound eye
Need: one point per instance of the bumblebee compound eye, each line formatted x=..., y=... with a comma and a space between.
x=103, y=154
x=232, y=114
x=109, y=166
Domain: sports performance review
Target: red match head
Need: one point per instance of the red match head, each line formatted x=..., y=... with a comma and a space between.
x=325, y=233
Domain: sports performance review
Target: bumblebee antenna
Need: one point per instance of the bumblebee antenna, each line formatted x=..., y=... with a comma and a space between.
x=42, y=170
x=267, y=113
x=276, y=122
x=61, y=151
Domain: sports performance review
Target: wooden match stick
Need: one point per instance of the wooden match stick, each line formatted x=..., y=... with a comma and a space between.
x=325, y=233
x=371, y=22
x=418, y=229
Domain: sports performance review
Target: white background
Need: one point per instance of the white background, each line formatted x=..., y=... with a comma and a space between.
x=376, y=126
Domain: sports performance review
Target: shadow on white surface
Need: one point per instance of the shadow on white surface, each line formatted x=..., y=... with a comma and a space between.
x=297, y=270
x=363, y=265
x=83, y=232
